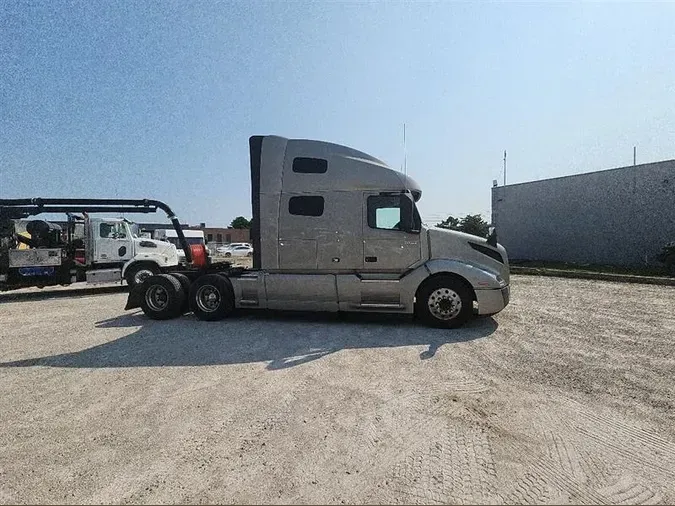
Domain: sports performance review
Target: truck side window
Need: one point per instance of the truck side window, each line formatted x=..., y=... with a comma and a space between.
x=105, y=230
x=310, y=165
x=112, y=231
x=306, y=206
x=384, y=212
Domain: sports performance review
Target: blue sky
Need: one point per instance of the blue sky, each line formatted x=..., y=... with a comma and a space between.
x=158, y=99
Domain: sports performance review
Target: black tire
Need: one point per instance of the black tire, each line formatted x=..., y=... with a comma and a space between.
x=211, y=297
x=185, y=284
x=228, y=254
x=137, y=270
x=444, y=293
x=163, y=297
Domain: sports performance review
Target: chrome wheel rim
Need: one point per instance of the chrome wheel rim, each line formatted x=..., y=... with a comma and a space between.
x=142, y=275
x=444, y=303
x=157, y=297
x=208, y=298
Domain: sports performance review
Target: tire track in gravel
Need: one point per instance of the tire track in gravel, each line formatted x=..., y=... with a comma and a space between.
x=248, y=431
x=409, y=456
x=435, y=455
x=612, y=481
x=594, y=477
x=627, y=491
x=550, y=471
x=605, y=478
x=609, y=480
x=568, y=453
x=529, y=489
x=629, y=442
x=459, y=468
x=384, y=421
x=542, y=467
x=568, y=457
x=597, y=470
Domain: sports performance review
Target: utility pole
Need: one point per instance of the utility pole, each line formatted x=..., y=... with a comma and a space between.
x=504, y=167
x=634, y=155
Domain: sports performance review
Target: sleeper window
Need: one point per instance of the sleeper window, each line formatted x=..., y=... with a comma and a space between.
x=306, y=206
x=310, y=165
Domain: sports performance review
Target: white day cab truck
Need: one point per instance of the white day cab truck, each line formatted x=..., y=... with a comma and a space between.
x=96, y=250
x=335, y=229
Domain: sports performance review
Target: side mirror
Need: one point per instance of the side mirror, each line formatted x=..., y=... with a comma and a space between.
x=407, y=209
x=492, y=236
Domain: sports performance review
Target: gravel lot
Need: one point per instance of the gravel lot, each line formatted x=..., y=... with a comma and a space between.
x=567, y=396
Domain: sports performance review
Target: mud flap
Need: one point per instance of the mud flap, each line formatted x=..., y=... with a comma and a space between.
x=136, y=295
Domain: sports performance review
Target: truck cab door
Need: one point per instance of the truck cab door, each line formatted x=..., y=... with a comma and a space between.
x=112, y=242
x=387, y=247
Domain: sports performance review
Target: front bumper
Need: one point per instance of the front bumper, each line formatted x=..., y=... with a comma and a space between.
x=493, y=301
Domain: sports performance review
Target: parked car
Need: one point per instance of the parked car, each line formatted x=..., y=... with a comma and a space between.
x=229, y=247
x=239, y=251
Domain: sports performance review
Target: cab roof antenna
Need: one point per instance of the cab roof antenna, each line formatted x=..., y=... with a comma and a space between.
x=405, y=154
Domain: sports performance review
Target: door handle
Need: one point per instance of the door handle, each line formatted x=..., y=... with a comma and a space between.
x=371, y=259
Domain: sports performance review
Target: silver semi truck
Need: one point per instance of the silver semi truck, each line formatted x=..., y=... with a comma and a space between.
x=335, y=229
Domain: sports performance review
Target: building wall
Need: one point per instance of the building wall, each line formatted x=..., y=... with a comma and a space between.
x=151, y=227
x=226, y=235
x=620, y=216
x=217, y=234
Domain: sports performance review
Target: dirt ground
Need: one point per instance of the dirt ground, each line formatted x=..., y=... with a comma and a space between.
x=568, y=396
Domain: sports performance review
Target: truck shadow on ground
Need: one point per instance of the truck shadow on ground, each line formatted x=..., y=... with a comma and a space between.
x=281, y=339
x=51, y=293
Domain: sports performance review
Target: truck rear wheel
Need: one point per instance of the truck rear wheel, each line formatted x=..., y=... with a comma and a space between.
x=185, y=284
x=211, y=297
x=163, y=297
x=139, y=272
x=444, y=301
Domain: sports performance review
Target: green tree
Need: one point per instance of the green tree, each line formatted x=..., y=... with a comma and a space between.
x=240, y=222
x=474, y=224
x=450, y=222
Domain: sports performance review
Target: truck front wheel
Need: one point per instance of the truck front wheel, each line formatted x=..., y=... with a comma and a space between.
x=163, y=297
x=444, y=301
x=211, y=297
x=138, y=273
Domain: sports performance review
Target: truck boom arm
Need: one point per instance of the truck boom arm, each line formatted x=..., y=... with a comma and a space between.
x=22, y=208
